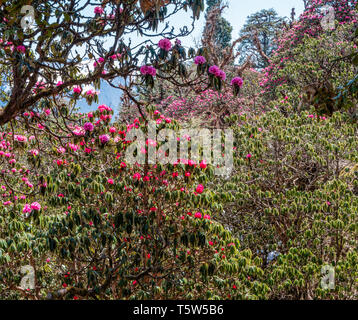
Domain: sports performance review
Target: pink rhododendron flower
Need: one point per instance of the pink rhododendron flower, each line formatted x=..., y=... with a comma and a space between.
x=35, y=206
x=222, y=75
x=200, y=188
x=20, y=138
x=199, y=60
x=104, y=138
x=21, y=49
x=88, y=126
x=214, y=70
x=237, y=81
x=203, y=164
x=102, y=108
x=77, y=90
x=91, y=93
x=34, y=152
x=136, y=176
x=98, y=10
x=78, y=131
x=148, y=70
x=26, y=209
x=151, y=142
x=165, y=44
x=198, y=215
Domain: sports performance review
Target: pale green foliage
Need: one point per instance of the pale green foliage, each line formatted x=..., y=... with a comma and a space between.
x=297, y=195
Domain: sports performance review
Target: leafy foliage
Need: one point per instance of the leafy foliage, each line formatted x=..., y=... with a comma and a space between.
x=92, y=225
x=296, y=200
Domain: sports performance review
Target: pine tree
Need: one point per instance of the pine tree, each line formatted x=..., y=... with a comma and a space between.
x=267, y=24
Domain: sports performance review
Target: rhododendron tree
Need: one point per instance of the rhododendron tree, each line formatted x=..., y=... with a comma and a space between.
x=294, y=198
x=308, y=44
x=97, y=226
x=43, y=61
x=316, y=69
x=43, y=65
x=210, y=108
x=93, y=207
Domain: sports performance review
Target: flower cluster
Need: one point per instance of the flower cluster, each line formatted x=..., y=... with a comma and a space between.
x=88, y=126
x=215, y=70
x=199, y=60
x=148, y=70
x=77, y=90
x=165, y=44
x=21, y=49
x=104, y=138
x=237, y=81
x=33, y=206
x=98, y=10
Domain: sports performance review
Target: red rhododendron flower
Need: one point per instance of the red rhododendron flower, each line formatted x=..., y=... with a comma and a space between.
x=35, y=206
x=200, y=188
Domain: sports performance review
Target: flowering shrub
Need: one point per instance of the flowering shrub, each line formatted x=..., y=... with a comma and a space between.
x=310, y=61
x=92, y=224
x=211, y=107
x=296, y=200
x=97, y=226
x=42, y=70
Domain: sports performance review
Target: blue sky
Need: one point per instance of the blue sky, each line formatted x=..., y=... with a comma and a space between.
x=237, y=13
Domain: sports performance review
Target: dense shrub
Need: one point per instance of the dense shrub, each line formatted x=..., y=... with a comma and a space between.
x=99, y=227
x=87, y=223
x=310, y=63
x=315, y=70
x=296, y=199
